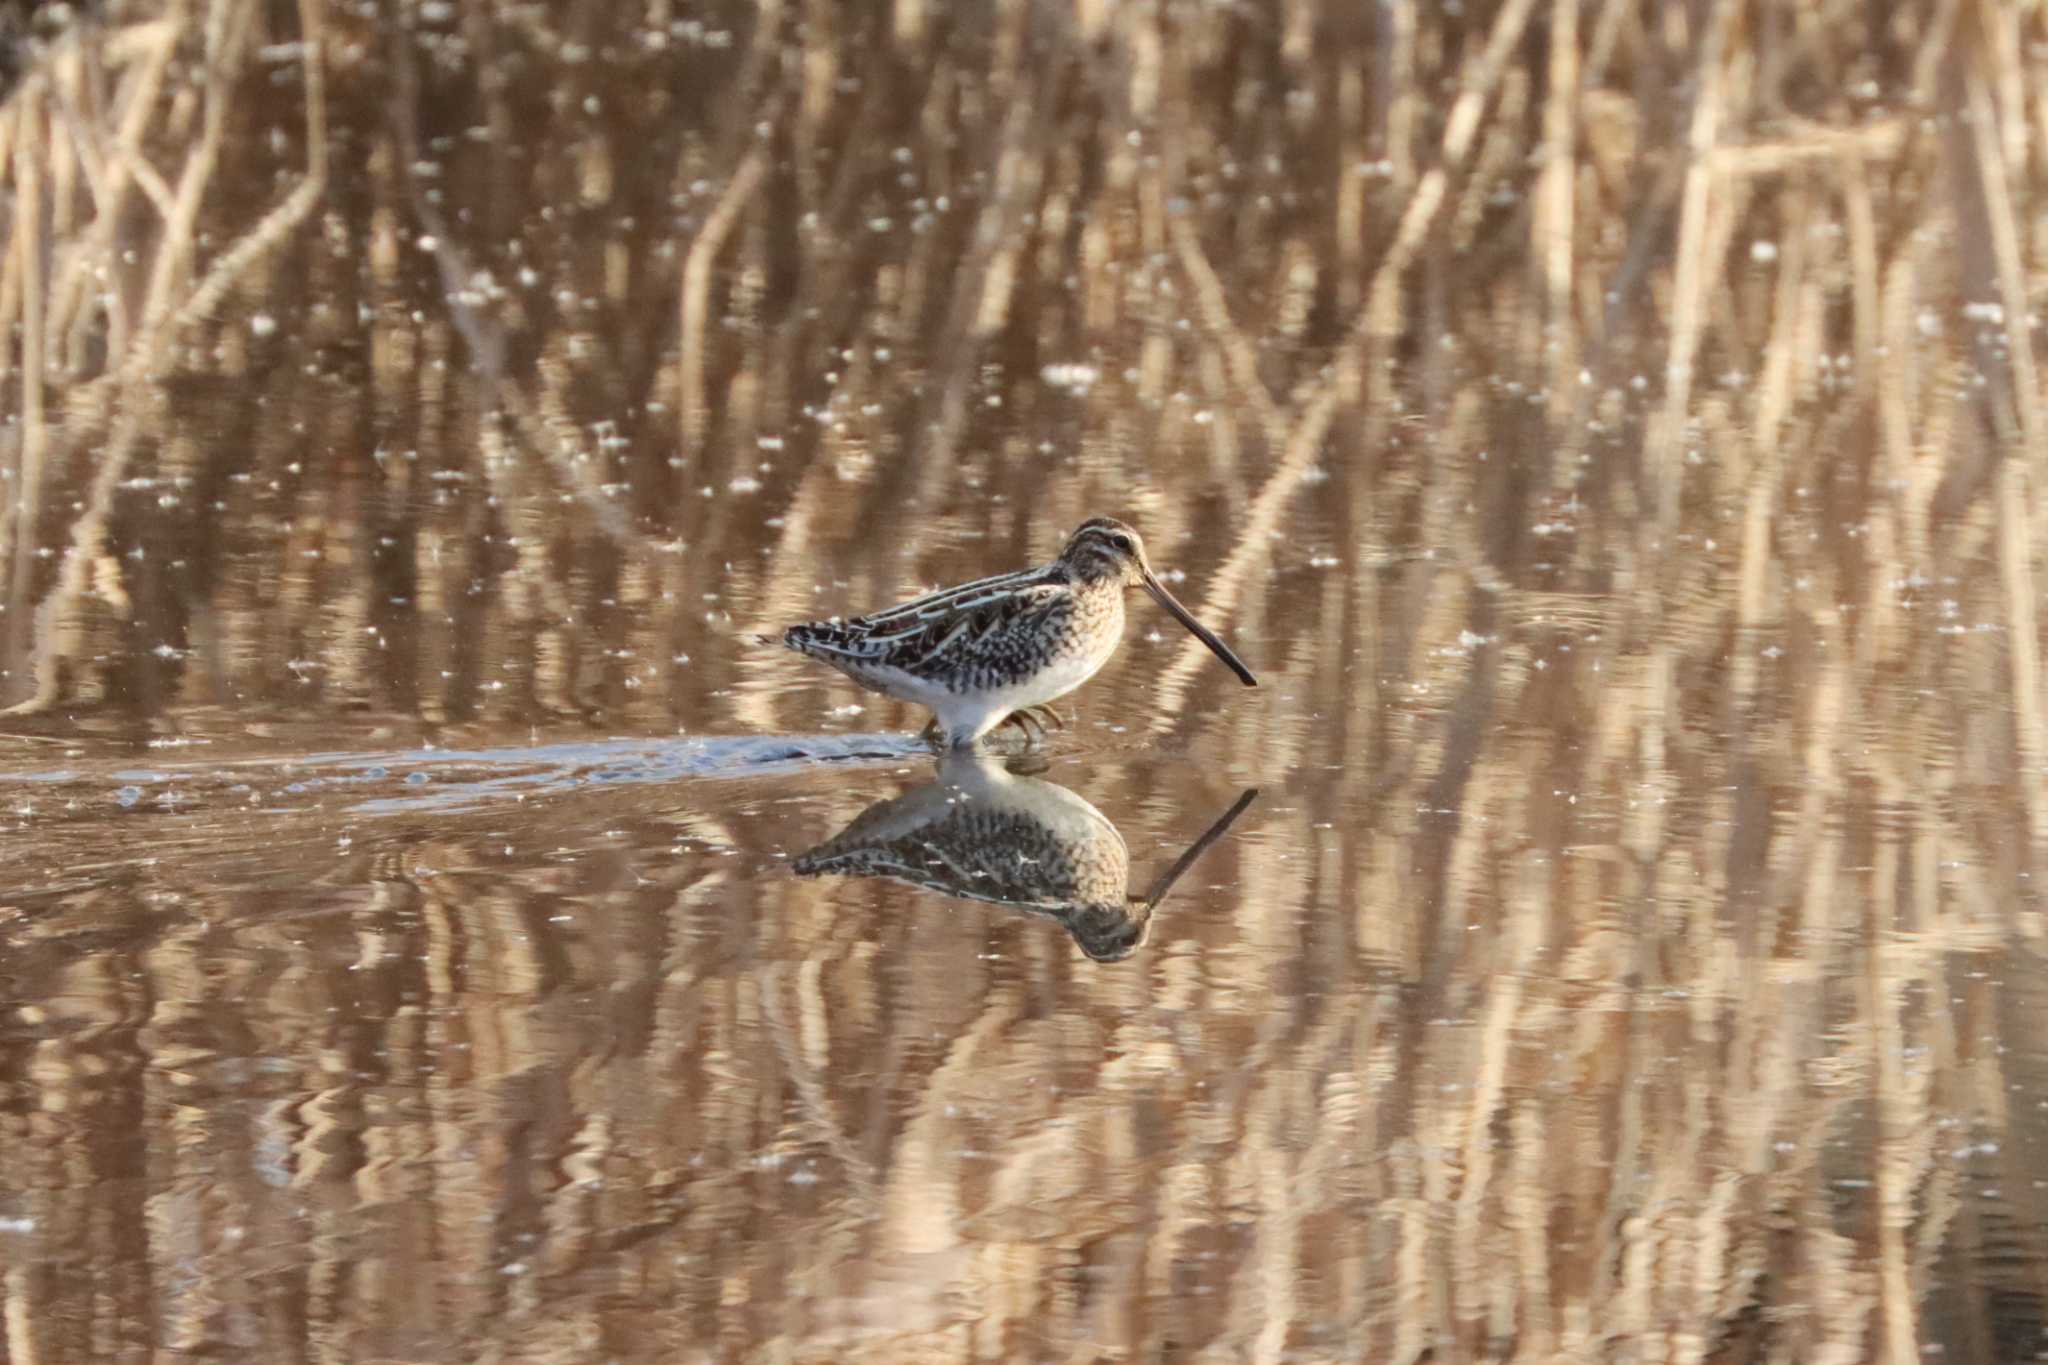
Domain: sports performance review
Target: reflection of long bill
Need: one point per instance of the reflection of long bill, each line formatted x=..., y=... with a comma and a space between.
x=1150, y=900
x=1197, y=629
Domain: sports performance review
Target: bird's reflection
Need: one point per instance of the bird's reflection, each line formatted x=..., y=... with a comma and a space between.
x=985, y=833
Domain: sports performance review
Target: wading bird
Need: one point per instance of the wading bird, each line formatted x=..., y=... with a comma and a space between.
x=996, y=650
x=983, y=833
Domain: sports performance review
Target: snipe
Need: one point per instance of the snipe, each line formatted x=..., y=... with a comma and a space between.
x=996, y=650
x=983, y=833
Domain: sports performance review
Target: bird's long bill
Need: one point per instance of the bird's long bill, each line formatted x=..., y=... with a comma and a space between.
x=1198, y=630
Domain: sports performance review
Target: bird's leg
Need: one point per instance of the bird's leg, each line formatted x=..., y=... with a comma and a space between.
x=1025, y=721
x=1036, y=722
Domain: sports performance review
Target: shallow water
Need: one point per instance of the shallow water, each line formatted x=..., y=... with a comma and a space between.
x=547, y=1049
x=434, y=926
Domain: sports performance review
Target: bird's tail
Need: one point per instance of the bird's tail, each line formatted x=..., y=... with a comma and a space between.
x=818, y=639
x=782, y=639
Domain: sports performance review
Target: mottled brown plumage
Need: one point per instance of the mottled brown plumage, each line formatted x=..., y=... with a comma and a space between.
x=985, y=834
x=998, y=647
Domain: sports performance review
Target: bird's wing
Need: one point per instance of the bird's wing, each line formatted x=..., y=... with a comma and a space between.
x=963, y=631
x=946, y=601
x=921, y=630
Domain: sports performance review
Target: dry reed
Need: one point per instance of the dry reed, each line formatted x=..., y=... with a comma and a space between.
x=1619, y=420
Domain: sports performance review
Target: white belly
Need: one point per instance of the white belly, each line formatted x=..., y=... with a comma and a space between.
x=966, y=717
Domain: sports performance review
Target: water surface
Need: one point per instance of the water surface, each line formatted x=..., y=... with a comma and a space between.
x=434, y=927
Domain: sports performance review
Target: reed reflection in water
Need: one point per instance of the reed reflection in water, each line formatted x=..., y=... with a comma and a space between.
x=1613, y=432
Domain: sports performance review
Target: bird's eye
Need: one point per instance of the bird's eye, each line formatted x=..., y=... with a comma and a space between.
x=1123, y=542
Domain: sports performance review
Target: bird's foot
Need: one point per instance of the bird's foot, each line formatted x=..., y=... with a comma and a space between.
x=1048, y=717
x=1028, y=722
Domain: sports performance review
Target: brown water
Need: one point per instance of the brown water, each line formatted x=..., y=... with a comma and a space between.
x=434, y=927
